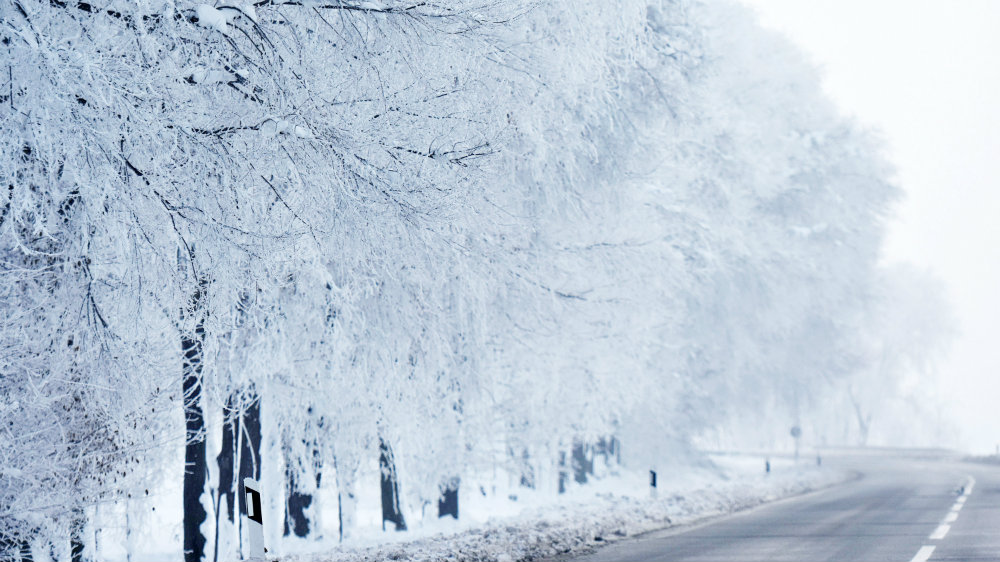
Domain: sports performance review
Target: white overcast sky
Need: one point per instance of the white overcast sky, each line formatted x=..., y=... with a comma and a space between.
x=927, y=74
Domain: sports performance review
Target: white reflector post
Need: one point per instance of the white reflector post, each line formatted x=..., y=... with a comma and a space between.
x=255, y=523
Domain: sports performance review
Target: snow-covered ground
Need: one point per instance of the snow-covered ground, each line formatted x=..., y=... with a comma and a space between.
x=537, y=525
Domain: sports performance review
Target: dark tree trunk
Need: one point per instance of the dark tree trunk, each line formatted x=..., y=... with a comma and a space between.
x=76, y=537
x=226, y=461
x=227, y=476
x=248, y=430
x=296, y=520
x=345, y=497
x=240, y=428
x=527, y=471
x=604, y=448
x=448, y=504
x=390, y=488
x=583, y=462
x=195, y=464
x=295, y=506
x=609, y=448
x=563, y=475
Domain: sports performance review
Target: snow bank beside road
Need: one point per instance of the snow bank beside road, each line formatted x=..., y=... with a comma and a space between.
x=615, y=509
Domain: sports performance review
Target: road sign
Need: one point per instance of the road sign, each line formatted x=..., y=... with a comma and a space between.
x=255, y=520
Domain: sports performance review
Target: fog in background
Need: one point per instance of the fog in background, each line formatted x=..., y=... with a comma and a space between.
x=925, y=74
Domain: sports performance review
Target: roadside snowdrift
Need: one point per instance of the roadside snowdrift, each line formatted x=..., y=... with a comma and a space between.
x=593, y=515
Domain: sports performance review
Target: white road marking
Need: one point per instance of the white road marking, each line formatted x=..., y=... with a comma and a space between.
x=940, y=532
x=969, y=486
x=926, y=551
x=923, y=554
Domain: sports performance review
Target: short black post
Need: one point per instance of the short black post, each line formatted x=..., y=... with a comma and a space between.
x=652, y=483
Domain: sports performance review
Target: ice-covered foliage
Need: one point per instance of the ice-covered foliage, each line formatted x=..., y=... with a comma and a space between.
x=480, y=231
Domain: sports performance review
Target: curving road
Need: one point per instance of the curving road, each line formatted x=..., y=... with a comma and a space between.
x=905, y=505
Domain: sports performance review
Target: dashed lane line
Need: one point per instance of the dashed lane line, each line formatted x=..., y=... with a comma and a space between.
x=923, y=554
x=940, y=533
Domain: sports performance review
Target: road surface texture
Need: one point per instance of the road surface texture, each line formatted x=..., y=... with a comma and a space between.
x=904, y=505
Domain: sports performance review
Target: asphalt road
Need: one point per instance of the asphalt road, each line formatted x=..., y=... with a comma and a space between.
x=904, y=506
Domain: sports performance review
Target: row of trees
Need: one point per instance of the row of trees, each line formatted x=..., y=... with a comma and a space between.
x=443, y=236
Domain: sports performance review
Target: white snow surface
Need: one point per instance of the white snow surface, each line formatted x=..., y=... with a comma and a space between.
x=212, y=18
x=586, y=517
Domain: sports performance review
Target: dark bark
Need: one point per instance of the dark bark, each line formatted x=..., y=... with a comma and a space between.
x=227, y=459
x=240, y=429
x=8, y=547
x=448, y=504
x=345, y=492
x=295, y=506
x=340, y=516
x=390, y=488
x=609, y=448
x=563, y=475
x=248, y=430
x=231, y=437
x=527, y=471
x=76, y=537
x=296, y=520
x=195, y=464
x=583, y=462
x=227, y=475
x=13, y=549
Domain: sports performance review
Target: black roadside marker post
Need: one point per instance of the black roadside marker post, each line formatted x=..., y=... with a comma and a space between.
x=652, y=483
x=255, y=521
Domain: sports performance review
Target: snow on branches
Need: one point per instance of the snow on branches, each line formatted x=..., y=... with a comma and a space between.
x=469, y=233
